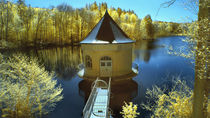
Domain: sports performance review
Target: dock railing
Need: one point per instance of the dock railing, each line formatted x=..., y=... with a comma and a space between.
x=90, y=102
x=89, y=106
x=109, y=93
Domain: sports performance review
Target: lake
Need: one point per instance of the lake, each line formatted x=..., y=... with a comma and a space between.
x=156, y=67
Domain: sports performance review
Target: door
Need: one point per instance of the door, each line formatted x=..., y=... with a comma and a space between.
x=105, y=66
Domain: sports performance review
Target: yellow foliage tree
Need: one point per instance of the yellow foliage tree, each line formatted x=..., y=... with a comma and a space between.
x=129, y=111
x=147, y=28
x=26, y=89
x=174, y=104
x=27, y=26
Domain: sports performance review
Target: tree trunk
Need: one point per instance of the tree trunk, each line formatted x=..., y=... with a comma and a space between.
x=201, y=64
x=7, y=21
x=2, y=26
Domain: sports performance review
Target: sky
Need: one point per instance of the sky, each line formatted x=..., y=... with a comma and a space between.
x=174, y=13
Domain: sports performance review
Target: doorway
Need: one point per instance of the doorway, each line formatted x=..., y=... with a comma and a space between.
x=105, y=66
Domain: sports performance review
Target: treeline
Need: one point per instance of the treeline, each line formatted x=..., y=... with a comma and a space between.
x=22, y=25
x=171, y=28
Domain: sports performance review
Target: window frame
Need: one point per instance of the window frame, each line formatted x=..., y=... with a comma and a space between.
x=88, y=61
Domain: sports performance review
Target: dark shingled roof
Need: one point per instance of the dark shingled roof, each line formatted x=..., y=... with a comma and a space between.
x=106, y=31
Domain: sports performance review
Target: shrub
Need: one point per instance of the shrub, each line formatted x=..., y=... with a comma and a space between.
x=177, y=103
x=129, y=111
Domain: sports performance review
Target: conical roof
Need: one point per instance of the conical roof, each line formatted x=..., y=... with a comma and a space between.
x=106, y=31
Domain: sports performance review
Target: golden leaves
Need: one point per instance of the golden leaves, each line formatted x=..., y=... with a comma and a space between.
x=27, y=88
x=175, y=104
x=129, y=111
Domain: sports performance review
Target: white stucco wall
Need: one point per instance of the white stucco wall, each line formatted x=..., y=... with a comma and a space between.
x=121, y=55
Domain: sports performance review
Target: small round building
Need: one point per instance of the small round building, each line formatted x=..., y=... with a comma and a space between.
x=107, y=51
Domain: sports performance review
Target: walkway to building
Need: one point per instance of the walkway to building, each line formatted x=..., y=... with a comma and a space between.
x=97, y=105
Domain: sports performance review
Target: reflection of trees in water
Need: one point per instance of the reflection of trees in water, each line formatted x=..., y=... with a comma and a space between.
x=121, y=91
x=63, y=61
x=143, y=55
x=142, y=50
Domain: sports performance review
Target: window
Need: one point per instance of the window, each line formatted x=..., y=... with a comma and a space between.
x=102, y=63
x=106, y=58
x=106, y=61
x=88, y=61
x=109, y=64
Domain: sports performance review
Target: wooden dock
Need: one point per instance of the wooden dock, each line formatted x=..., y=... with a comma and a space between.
x=97, y=105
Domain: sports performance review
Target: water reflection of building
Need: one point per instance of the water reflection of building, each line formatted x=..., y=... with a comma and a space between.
x=121, y=91
x=64, y=61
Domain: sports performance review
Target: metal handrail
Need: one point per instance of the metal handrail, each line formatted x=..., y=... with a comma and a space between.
x=99, y=80
x=109, y=91
x=88, y=107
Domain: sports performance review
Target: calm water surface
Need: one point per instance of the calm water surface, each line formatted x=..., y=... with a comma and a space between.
x=156, y=67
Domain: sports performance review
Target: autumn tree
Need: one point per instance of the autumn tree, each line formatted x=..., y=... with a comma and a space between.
x=17, y=29
x=6, y=17
x=7, y=21
x=147, y=28
x=2, y=18
x=171, y=28
x=94, y=7
x=136, y=30
x=119, y=11
x=26, y=15
x=129, y=110
x=202, y=81
x=171, y=102
x=60, y=25
x=102, y=7
x=26, y=89
x=193, y=28
x=40, y=14
x=21, y=8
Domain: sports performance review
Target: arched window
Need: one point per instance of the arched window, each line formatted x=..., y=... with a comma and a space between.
x=88, y=61
x=106, y=58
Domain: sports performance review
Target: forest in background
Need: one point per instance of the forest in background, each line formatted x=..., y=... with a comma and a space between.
x=201, y=71
x=25, y=26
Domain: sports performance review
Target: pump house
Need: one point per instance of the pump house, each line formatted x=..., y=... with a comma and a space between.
x=107, y=50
